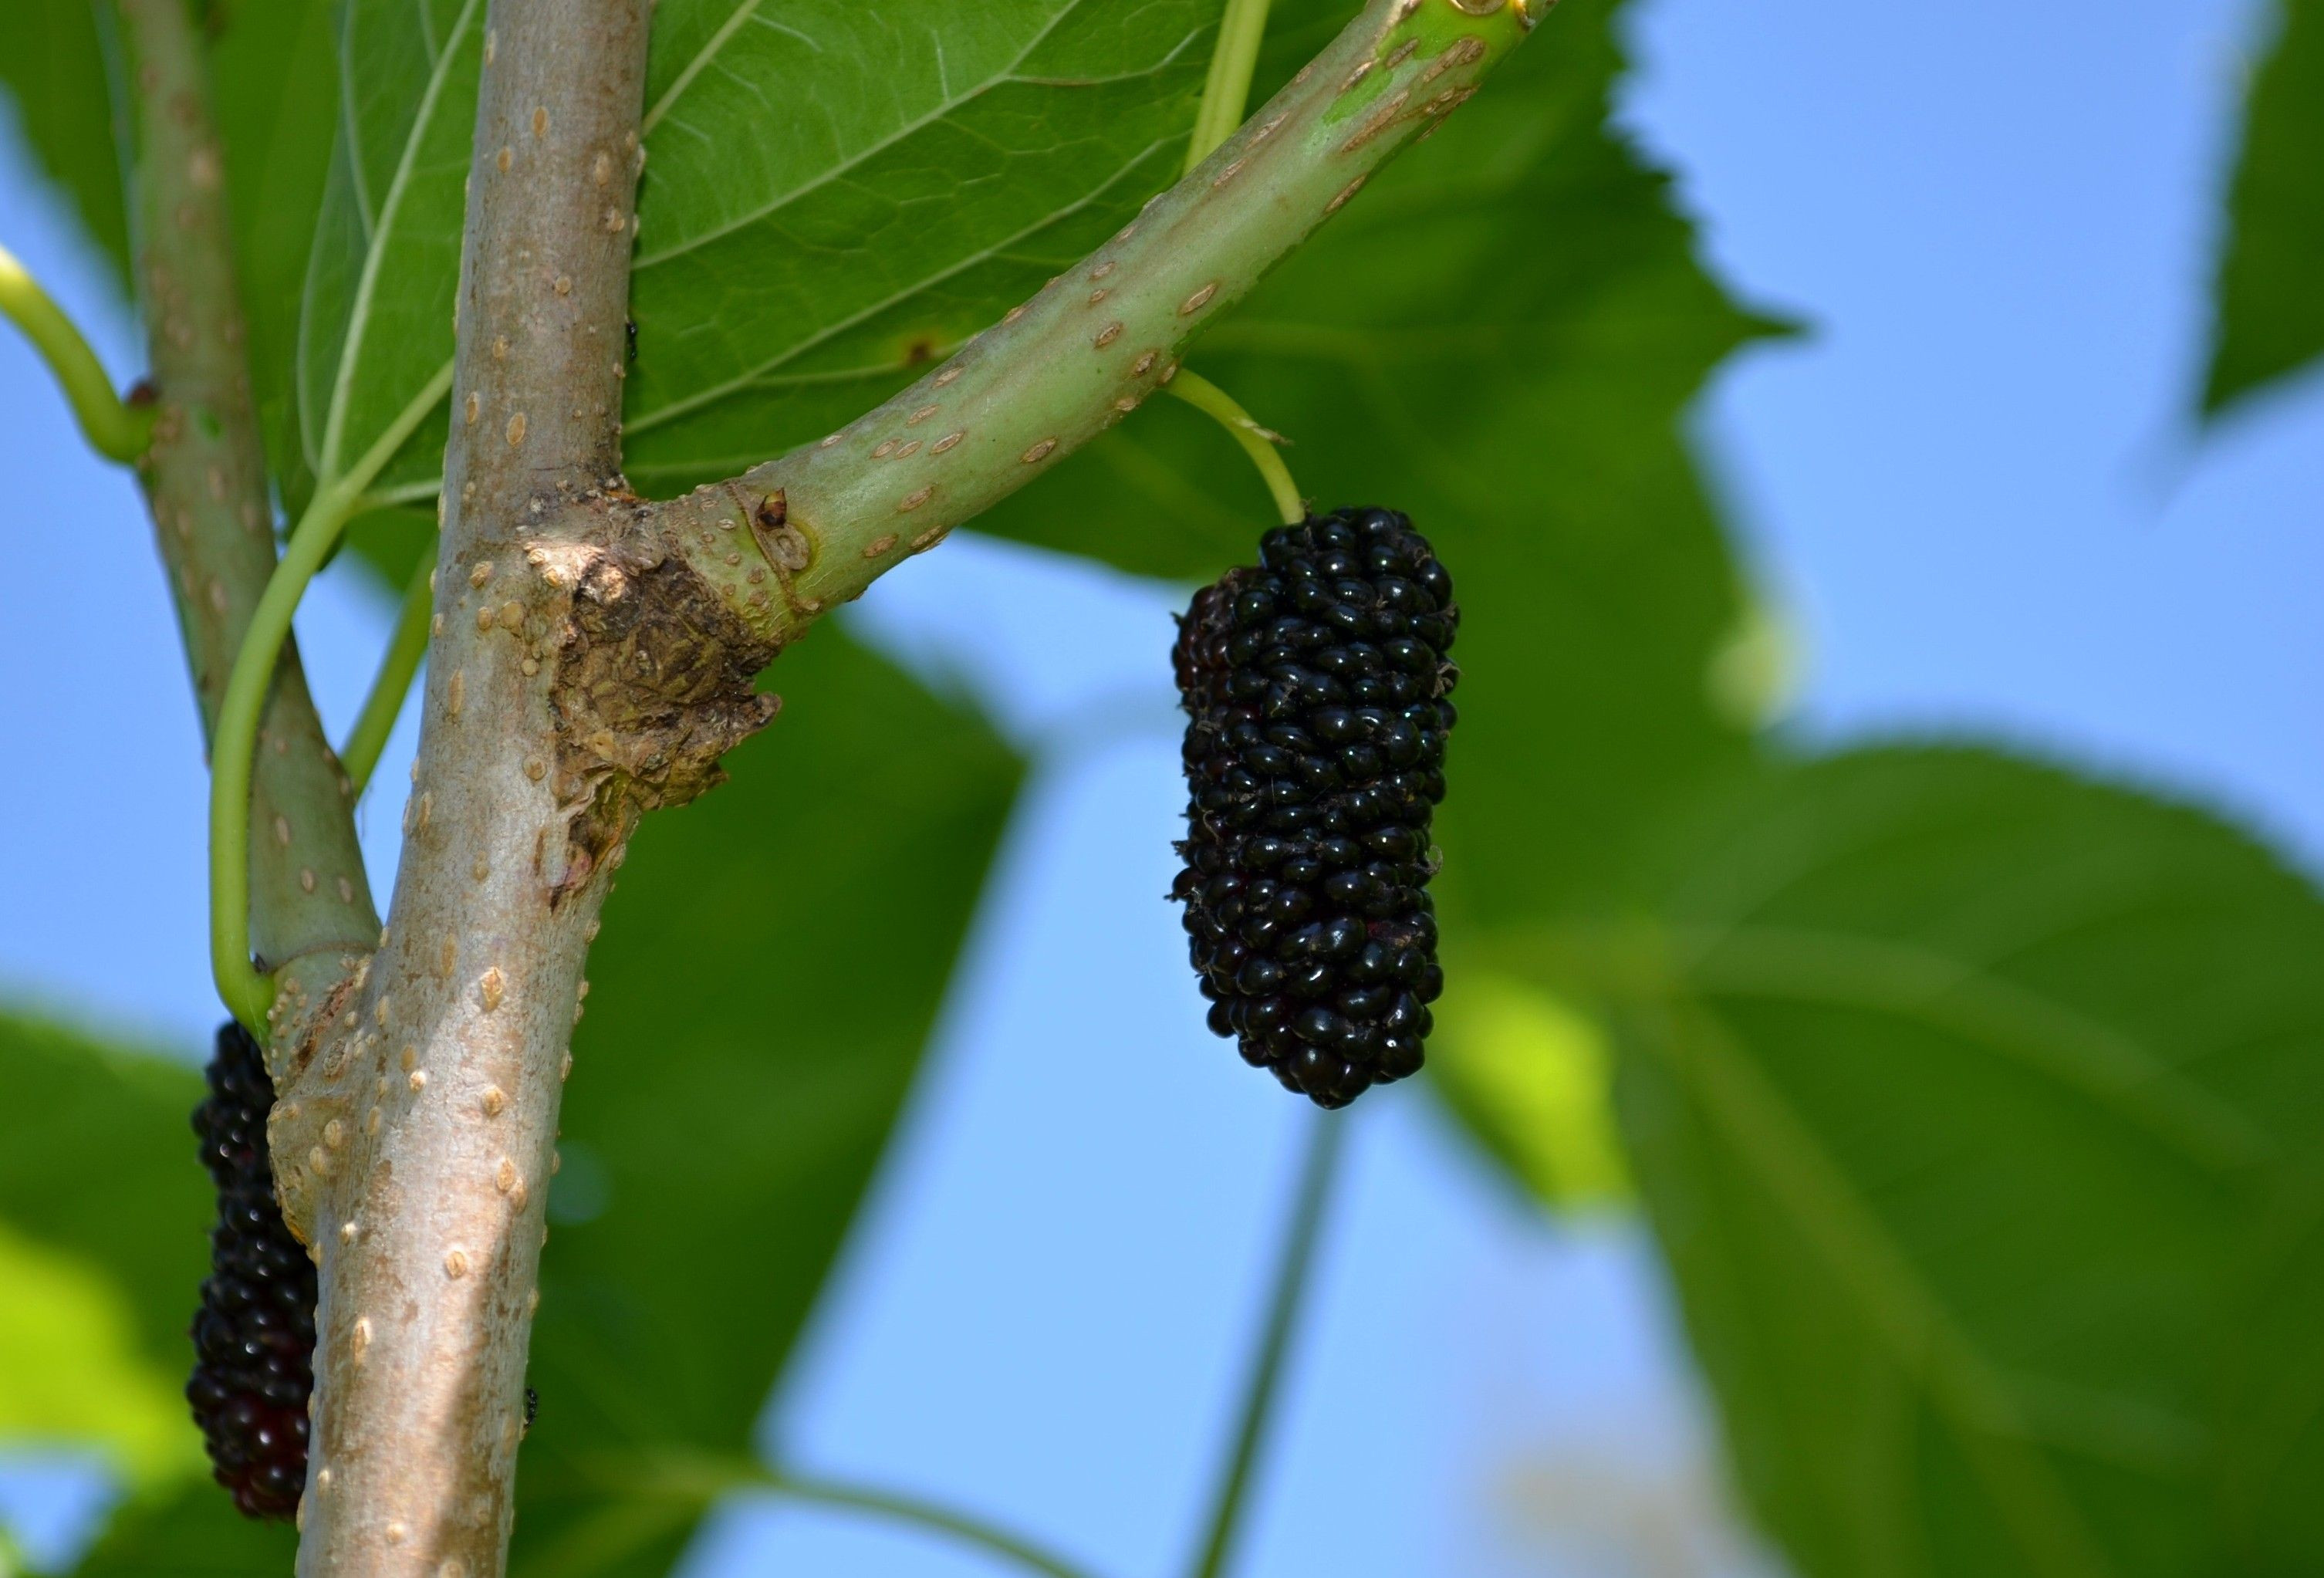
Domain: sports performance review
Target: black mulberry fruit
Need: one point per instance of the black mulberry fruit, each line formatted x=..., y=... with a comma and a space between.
x=254, y=1334
x=1314, y=687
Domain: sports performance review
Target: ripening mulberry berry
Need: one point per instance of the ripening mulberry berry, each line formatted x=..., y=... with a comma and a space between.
x=254, y=1334
x=1315, y=685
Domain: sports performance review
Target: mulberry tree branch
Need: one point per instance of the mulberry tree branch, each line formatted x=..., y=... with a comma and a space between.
x=1242, y=28
x=205, y=475
x=414, y=1145
x=592, y=654
x=830, y=517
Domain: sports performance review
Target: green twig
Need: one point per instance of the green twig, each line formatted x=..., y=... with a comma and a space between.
x=1094, y=343
x=114, y=429
x=1227, y=88
x=408, y=644
x=960, y=1526
x=246, y=992
x=1256, y=442
x=700, y=1479
x=1325, y=1142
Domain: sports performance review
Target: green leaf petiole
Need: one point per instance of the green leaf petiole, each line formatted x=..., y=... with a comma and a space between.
x=1227, y=88
x=114, y=428
x=405, y=648
x=247, y=991
x=697, y=1480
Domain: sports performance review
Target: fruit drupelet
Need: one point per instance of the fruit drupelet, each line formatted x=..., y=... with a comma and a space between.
x=254, y=1333
x=1316, y=690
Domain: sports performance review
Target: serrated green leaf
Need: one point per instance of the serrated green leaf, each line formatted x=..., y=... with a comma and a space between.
x=1959, y=1090
x=375, y=317
x=831, y=197
x=2270, y=318
x=935, y=163
x=768, y=972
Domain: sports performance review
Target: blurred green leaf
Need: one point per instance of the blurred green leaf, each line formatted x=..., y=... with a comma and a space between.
x=275, y=91
x=98, y=1162
x=104, y=1217
x=52, y=69
x=2273, y=1408
x=770, y=970
x=1959, y=1090
x=193, y=1532
x=2270, y=316
x=1533, y=1077
x=70, y=1370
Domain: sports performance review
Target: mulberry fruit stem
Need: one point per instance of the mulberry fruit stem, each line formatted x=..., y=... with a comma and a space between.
x=1227, y=88
x=405, y=648
x=1318, y=1173
x=834, y=514
x=113, y=427
x=1258, y=443
x=247, y=991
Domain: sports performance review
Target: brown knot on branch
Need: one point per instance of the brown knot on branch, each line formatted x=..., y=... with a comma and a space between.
x=653, y=685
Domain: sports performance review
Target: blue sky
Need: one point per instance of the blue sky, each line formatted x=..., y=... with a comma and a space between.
x=1972, y=488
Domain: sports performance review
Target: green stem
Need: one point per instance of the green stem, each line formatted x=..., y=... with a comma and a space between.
x=1228, y=88
x=960, y=1526
x=1325, y=1144
x=246, y=992
x=113, y=429
x=700, y=1480
x=1258, y=443
x=830, y=517
x=408, y=644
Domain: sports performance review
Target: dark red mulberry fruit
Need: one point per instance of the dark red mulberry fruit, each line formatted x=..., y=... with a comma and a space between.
x=1314, y=687
x=254, y=1334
